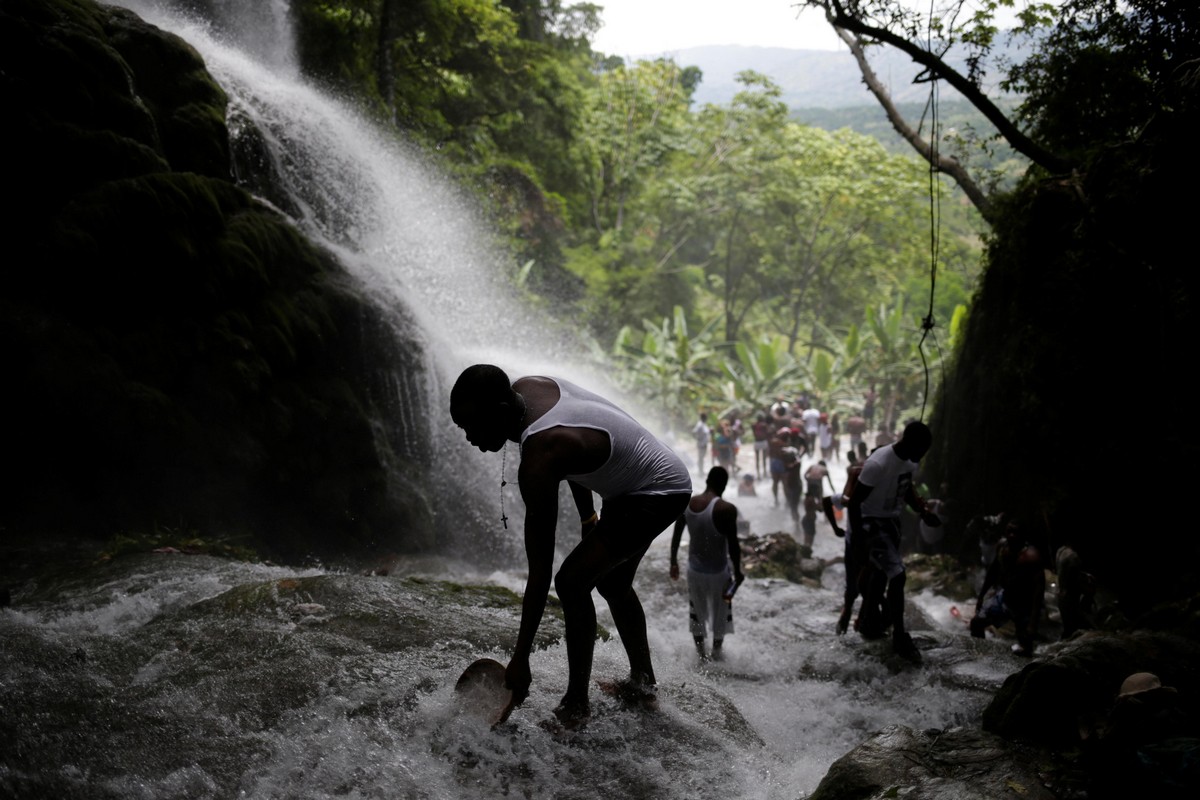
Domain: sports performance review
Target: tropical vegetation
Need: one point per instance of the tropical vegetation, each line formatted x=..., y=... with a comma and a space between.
x=718, y=255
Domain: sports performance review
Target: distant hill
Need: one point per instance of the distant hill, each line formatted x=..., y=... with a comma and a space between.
x=808, y=78
x=824, y=89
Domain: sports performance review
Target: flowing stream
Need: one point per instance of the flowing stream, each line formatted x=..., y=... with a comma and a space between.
x=183, y=676
x=168, y=675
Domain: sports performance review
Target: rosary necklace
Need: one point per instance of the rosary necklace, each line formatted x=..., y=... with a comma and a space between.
x=503, y=483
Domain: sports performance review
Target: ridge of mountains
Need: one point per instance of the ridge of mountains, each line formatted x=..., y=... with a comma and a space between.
x=824, y=88
x=811, y=78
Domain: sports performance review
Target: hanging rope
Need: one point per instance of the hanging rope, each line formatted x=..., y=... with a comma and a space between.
x=935, y=211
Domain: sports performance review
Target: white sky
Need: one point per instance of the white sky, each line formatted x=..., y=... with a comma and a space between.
x=653, y=27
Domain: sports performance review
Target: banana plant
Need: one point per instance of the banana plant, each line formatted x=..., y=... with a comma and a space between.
x=831, y=372
x=668, y=364
x=760, y=372
x=894, y=358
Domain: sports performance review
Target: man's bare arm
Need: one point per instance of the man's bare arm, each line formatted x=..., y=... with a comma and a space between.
x=858, y=496
x=539, y=489
x=917, y=504
x=676, y=537
x=586, y=503
x=725, y=519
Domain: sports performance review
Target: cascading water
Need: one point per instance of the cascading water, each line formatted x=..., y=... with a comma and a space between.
x=174, y=676
x=403, y=231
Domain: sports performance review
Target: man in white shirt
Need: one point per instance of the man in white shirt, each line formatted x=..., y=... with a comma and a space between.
x=714, y=560
x=812, y=423
x=883, y=487
x=702, y=434
x=568, y=433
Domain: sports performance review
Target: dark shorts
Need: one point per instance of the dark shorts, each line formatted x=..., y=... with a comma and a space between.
x=607, y=558
x=640, y=516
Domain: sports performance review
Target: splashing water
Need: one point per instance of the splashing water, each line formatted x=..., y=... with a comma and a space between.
x=172, y=676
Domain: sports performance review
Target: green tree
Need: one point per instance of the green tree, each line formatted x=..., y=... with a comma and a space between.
x=719, y=196
x=635, y=119
x=897, y=360
x=846, y=220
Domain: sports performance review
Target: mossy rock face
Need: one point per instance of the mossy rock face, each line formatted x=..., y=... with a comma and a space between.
x=176, y=352
x=1088, y=276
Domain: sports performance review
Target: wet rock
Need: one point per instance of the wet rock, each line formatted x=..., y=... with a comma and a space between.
x=774, y=555
x=944, y=574
x=812, y=568
x=958, y=764
x=1076, y=681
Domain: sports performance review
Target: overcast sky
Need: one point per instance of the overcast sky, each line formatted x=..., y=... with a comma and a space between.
x=653, y=27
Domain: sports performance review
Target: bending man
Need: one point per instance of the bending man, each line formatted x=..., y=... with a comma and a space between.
x=568, y=433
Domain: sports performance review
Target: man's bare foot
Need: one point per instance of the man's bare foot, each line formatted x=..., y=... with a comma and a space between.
x=573, y=716
x=632, y=692
x=843, y=623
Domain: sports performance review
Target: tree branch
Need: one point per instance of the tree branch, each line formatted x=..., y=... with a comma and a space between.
x=839, y=17
x=947, y=164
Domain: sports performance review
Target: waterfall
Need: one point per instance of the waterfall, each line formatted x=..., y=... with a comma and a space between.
x=263, y=27
x=413, y=242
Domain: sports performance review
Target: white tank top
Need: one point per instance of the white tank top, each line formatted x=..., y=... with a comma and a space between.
x=708, y=550
x=638, y=463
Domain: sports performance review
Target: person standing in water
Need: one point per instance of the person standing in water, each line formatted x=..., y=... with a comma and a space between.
x=714, y=560
x=569, y=434
x=883, y=487
x=701, y=433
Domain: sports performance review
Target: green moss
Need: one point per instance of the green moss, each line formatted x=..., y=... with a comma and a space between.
x=180, y=538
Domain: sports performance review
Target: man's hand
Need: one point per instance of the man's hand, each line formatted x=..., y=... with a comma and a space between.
x=674, y=572
x=517, y=678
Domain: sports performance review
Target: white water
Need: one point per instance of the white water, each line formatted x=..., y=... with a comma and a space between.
x=808, y=695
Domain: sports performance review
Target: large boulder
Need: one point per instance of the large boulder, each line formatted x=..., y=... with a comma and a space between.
x=958, y=764
x=1055, y=699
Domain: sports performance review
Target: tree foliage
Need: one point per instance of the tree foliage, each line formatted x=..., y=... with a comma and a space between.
x=622, y=202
